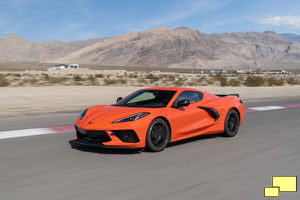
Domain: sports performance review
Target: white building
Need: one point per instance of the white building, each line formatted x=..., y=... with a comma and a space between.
x=218, y=71
x=63, y=66
x=281, y=71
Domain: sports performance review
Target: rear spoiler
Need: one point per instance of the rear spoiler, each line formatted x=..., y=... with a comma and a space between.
x=225, y=95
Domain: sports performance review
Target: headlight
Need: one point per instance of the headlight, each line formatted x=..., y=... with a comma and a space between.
x=132, y=117
x=82, y=114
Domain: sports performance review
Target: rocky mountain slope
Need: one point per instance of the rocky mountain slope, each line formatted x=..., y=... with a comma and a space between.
x=290, y=36
x=162, y=47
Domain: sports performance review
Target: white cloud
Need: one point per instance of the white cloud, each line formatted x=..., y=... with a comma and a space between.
x=289, y=21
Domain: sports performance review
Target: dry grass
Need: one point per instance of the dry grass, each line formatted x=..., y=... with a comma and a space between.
x=57, y=80
x=254, y=81
x=234, y=82
x=92, y=77
x=3, y=81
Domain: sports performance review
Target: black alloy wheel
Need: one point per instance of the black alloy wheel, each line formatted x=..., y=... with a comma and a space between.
x=158, y=135
x=232, y=123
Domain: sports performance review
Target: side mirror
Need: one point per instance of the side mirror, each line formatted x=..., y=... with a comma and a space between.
x=182, y=103
x=119, y=99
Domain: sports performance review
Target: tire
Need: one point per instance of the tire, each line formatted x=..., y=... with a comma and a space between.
x=158, y=135
x=232, y=123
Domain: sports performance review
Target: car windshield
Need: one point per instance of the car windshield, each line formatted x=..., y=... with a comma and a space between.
x=147, y=99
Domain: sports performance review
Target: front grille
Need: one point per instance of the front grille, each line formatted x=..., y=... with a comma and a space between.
x=126, y=136
x=96, y=135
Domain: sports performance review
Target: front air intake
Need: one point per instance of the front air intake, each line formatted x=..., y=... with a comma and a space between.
x=95, y=135
x=126, y=136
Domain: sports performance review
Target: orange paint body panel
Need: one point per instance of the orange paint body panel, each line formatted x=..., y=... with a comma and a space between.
x=184, y=122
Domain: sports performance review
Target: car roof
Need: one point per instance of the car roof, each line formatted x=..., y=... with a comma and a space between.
x=179, y=89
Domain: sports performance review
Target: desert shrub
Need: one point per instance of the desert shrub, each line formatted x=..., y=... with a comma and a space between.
x=149, y=76
x=3, y=81
x=33, y=80
x=210, y=81
x=93, y=80
x=16, y=75
x=46, y=76
x=110, y=81
x=291, y=81
x=56, y=80
x=77, y=78
x=273, y=81
x=122, y=81
x=241, y=78
x=152, y=78
x=202, y=79
x=191, y=83
x=165, y=80
x=133, y=76
x=171, y=78
x=178, y=82
x=222, y=79
x=234, y=82
x=142, y=80
x=99, y=75
x=254, y=81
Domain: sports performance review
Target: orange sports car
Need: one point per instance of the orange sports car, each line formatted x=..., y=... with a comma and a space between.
x=151, y=118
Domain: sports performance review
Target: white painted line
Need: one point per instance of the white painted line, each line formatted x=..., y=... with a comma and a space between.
x=25, y=132
x=35, y=131
x=264, y=108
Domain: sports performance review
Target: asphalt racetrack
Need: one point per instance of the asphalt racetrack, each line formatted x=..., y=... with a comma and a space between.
x=45, y=167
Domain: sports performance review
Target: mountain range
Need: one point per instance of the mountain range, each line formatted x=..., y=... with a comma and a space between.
x=163, y=47
x=291, y=37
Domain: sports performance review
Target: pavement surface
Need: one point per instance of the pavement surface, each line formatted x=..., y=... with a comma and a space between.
x=207, y=167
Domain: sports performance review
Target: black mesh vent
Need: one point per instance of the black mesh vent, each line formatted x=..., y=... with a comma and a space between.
x=126, y=136
x=96, y=135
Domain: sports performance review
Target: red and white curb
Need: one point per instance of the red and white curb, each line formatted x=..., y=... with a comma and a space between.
x=266, y=108
x=68, y=128
x=35, y=131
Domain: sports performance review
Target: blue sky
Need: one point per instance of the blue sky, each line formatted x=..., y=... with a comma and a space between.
x=69, y=20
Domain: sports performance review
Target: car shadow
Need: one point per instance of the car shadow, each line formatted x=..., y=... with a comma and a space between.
x=103, y=150
x=137, y=151
x=193, y=139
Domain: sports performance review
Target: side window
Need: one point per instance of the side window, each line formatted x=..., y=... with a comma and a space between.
x=189, y=95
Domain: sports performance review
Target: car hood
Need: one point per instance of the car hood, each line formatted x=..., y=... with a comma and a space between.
x=112, y=113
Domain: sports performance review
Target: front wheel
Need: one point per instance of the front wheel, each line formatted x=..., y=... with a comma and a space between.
x=232, y=123
x=158, y=135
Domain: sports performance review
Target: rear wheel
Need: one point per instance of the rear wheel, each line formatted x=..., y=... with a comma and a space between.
x=232, y=123
x=158, y=135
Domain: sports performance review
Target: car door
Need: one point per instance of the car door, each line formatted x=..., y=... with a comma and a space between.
x=189, y=120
